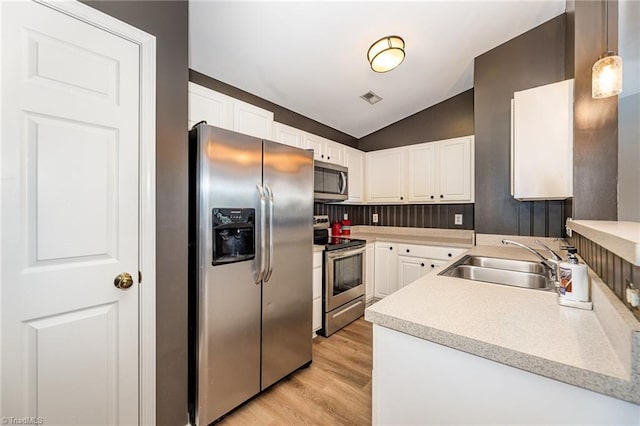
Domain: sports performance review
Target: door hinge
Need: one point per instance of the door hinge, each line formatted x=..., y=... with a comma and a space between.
x=139, y=277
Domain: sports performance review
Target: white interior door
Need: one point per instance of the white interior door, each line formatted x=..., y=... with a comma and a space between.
x=69, y=219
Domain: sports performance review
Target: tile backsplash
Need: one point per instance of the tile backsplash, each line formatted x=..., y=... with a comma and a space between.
x=404, y=215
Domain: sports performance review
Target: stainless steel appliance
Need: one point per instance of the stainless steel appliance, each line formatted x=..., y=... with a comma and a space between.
x=250, y=267
x=330, y=182
x=343, y=277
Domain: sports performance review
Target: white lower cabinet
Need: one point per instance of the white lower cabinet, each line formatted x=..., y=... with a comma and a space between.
x=369, y=273
x=317, y=291
x=386, y=264
x=397, y=265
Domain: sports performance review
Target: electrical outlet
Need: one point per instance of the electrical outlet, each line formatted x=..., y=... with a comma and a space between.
x=375, y=218
x=457, y=219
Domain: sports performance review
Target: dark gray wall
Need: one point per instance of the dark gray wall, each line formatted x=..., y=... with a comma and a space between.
x=595, y=146
x=448, y=119
x=532, y=59
x=168, y=21
x=280, y=114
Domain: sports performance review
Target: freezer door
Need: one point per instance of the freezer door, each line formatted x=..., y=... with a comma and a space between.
x=228, y=298
x=287, y=289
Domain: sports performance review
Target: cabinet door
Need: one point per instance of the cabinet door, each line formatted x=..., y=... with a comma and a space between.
x=335, y=152
x=355, y=164
x=288, y=135
x=542, y=142
x=317, y=144
x=385, y=176
x=251, y=120
x=412, y=268
x=209, y=105
x=456, y=169
x=422, y=173
x=386, y=279
x=317, y=291
x=369, y=278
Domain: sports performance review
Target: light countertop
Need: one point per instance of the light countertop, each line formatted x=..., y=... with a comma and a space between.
x=523, y=328
x=621, y=238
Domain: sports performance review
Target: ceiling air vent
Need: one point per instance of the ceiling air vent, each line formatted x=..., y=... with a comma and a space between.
x=371, y=97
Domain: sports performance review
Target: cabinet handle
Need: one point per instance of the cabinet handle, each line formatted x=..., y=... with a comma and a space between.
x=441, y=196
x=322, y=156
x=422, y=264
x=407, y=250
x=328, y=158
x=432, y=197
x=402, y=198
x=449, y=254
x=433, y=266
x=390, y=248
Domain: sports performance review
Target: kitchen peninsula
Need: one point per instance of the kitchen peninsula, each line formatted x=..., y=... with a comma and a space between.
x=454, y=351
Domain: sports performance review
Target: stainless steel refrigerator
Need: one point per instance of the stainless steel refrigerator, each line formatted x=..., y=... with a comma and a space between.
x=250, y=267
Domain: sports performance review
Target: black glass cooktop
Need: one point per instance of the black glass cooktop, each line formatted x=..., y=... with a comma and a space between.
x=336, y=243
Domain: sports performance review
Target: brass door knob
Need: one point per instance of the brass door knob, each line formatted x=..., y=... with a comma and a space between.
x=123, y=281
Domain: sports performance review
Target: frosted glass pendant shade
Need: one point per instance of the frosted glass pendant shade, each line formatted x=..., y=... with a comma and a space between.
x=386, y=53
x=607, y=76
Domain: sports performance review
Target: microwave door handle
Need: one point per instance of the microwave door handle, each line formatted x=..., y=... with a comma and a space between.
x=269, y=271
x=263, y=225
x=343, y=182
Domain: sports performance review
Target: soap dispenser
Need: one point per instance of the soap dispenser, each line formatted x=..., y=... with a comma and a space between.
x=574, y=282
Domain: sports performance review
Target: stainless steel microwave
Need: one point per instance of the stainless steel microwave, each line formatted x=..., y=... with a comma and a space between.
x=330, y=182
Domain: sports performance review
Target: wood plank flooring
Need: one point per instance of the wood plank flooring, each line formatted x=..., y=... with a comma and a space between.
x=334, y=390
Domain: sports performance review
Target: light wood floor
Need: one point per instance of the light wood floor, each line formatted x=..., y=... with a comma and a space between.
x=334, y=390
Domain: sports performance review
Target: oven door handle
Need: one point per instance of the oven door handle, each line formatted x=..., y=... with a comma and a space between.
x=339, y=254
x=263, y=224
x=269, y=194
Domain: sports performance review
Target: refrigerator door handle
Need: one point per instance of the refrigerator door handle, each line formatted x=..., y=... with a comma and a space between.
x=343, y=182
x=269, y=194
x=263, y=226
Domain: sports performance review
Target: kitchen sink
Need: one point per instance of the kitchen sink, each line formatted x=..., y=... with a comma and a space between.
x=517, y=273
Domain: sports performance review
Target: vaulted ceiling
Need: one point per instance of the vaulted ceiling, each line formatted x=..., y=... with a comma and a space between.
x=310, y=57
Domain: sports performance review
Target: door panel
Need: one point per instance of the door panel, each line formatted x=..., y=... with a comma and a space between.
x=287, y=295
x=69, y=218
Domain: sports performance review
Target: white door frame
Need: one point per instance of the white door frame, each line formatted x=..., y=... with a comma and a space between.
x=147, y=192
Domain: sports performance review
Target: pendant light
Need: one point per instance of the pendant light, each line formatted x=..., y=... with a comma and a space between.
x=386, y=53
x=607, y=71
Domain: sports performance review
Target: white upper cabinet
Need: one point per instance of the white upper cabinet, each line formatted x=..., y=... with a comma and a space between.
x=317, y=144
x=542, y=142
x=456, y=168
x=288, y=135
x=206, y=104
x=335, y=152
x=354, y=160
x=251, y=120
x=386, y=176
x=325, y=149
x=422, y=173
x=434, y=172
x=228, y=113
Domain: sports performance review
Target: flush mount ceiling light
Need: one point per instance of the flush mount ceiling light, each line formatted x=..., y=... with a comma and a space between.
x=606, y=77
x=386, y=53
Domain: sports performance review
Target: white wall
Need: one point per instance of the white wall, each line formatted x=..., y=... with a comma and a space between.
x=629, y=112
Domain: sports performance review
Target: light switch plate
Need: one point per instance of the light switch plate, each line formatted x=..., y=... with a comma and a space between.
x=375, y=218
x=457, y=219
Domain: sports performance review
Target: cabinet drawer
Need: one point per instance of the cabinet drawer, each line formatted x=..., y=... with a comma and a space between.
x=431, y=252
x=317, y=259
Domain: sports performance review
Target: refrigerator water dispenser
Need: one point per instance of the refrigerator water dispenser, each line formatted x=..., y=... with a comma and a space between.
x=233, y=235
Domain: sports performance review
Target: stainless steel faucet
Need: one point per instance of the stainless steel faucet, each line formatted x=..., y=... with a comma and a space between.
x=553, y=264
